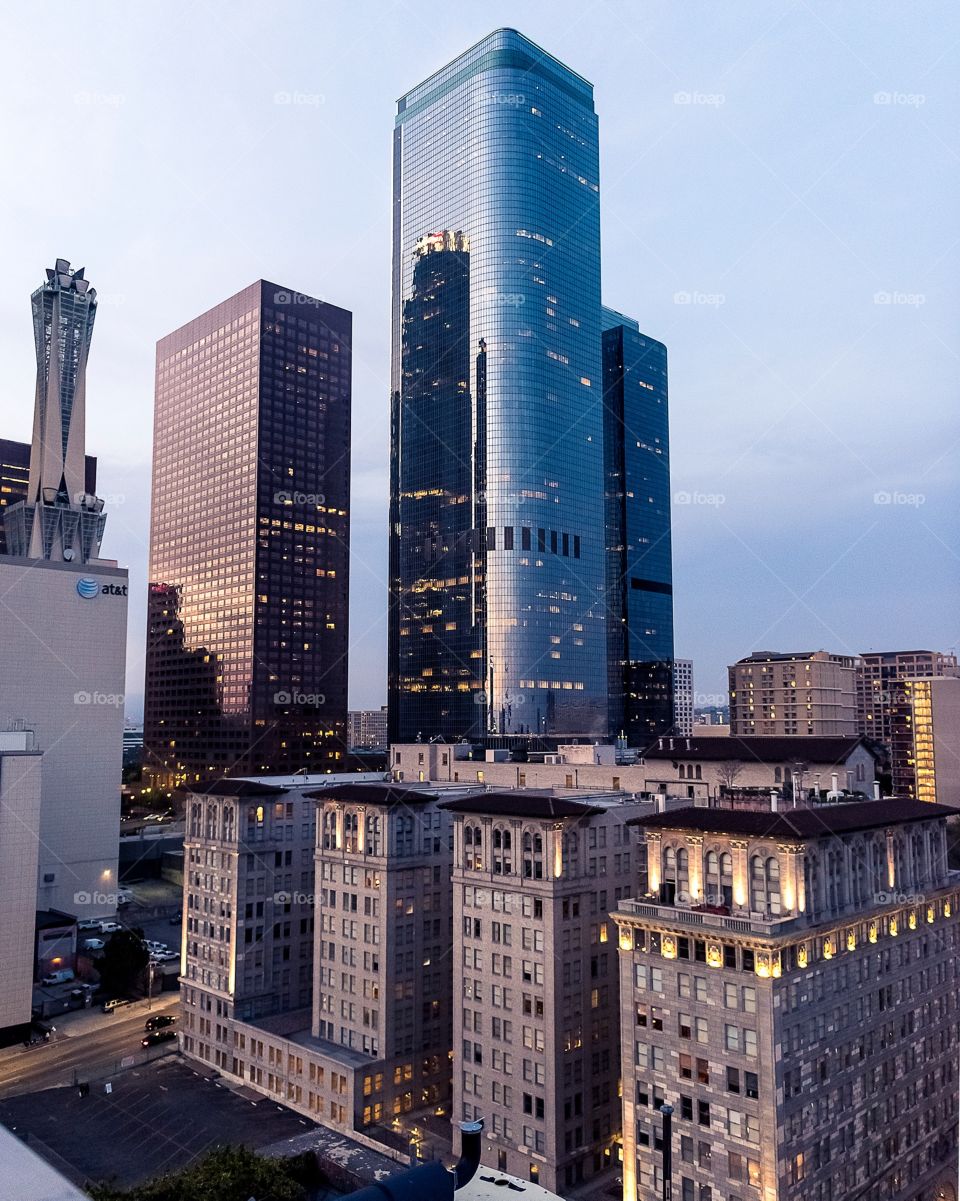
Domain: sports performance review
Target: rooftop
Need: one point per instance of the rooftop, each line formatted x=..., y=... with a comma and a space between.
x=527, y=802
x=797, y=823
x=378, y=793
x=759, y=748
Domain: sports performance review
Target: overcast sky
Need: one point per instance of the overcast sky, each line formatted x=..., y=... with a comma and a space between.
x=779, y=189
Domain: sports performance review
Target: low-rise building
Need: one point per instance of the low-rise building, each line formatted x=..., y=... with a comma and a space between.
x=536, y=1008
x=789, y=986
x=20, y=768
x=700, y=769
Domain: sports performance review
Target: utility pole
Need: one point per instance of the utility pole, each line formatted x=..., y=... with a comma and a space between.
x=667, y=1111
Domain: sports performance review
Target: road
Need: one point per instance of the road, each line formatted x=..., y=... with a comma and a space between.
x=86, y=1046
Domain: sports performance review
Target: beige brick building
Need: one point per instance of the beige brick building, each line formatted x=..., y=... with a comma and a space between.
x=317, y=951
x=795, y=693
x=789, y=986
x=536, y=1007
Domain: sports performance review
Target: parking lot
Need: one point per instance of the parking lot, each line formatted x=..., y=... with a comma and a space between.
x=155, y=1119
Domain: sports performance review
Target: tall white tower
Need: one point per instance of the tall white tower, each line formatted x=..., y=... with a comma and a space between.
x=59, y=520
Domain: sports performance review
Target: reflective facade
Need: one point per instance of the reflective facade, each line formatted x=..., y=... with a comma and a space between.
x=247, y=618
x=497, y=549
x=637, y=508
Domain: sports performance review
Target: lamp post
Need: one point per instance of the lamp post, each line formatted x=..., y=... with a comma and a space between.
x=667, y=1111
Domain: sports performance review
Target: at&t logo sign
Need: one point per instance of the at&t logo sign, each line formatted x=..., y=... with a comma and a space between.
x=87, y=587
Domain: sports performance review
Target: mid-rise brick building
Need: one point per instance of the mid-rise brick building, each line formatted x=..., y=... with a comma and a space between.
x=789, y=985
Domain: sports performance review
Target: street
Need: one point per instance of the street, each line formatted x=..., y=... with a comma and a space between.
x=88, y=1042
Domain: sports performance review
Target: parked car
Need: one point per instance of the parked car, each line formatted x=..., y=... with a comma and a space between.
x=110, y=927
x=164, y=956
x=60, y=977
x=157, y=1036
x=89, y=923
x=116, y=1003
x=158, y=1021
x=152, y=945
x=93, y=944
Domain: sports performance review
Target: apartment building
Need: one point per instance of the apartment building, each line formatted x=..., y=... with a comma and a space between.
x=536, y=1010
x=789, y=985
x=317, y=950
x=793, y=693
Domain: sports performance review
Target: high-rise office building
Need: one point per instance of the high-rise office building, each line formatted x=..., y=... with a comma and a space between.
x=15, y=478
x=930, y=713
x=367, y=728
x=64, y=618
x=884, y=705
x=683, y=697
x=246, y=667
x=802, y=693
x=788, y=985
x=497, y=548
x=639, y=588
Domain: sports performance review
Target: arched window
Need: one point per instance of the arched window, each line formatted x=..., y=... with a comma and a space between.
x=473, y=847
x=878, y=867
x=718, y=869
x=778, y=775
x=699, y=772
x=683, y=875
x=758, y=885
x=371, y=841
x=211, y=820
x=195, y=811
x=330, y=829
x=773, y=884
x=229, y=822
x=351, y=828
x=571, y=853
x=502, y=851
x=532, y=855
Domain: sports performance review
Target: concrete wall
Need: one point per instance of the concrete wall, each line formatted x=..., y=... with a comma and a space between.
x=66, y=656
x=20, y=782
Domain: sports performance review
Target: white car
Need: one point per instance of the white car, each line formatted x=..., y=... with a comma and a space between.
x=89, y=923
x=93, y=944
x=163, y=956
x=110, y=927
x=152, y=945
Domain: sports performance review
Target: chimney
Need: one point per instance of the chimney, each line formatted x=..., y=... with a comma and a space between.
x=660, y=802
x=835, y=782
x=774, y=799
x=671, y=744
x=688, y=744
x=876, y=790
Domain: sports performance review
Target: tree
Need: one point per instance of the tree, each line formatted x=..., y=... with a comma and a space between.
x=226, y=1174
x=727, y=772
x=123, y=962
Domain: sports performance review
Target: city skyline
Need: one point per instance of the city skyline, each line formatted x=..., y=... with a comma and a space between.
x=776, y=384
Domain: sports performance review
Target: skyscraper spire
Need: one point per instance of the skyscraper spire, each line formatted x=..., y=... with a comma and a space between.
x=59, y=520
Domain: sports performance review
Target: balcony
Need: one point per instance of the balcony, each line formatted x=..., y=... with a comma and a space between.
x=709, y=919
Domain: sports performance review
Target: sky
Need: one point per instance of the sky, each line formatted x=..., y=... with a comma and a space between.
x=779, y=187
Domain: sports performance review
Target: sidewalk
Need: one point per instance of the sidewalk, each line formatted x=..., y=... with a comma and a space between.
x=77, y=1022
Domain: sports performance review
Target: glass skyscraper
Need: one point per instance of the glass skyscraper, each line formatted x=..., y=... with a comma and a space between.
x=637, y=506
x=246, y=666
x=497, y=538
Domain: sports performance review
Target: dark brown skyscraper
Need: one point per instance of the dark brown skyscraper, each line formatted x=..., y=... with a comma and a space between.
x=246, y=667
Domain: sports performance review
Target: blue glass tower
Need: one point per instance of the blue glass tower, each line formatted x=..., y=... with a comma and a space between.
x=497, y=544
x=637, y=510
